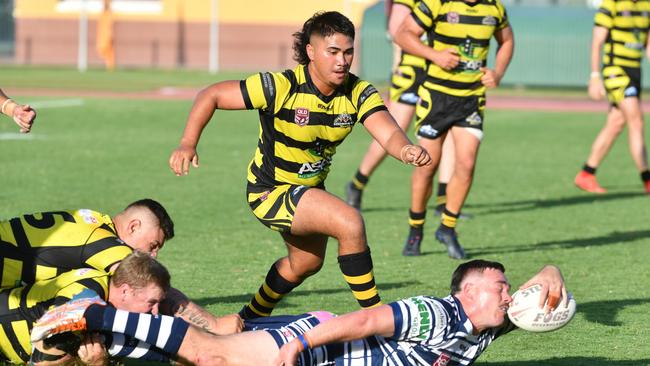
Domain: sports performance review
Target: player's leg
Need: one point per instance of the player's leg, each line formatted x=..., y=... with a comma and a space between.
x=467, y=141
x=445, y=171
x=631, y=109
x=586, y=178
x=305, y=257
x=320, y=212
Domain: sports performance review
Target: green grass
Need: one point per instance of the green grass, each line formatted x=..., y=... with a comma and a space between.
x=107, y=153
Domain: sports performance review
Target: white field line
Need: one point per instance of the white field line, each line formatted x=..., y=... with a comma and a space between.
x=57, y=103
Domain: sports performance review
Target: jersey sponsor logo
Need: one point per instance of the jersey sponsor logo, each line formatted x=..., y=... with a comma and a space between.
x=634, y=46
x=264, y=196
x=474, y=119
x=422, y=320
x=409, y=98
x=87, y=216
x=83, y=271
x=428, y=131
x=308, y=170
x=370, y=90
x=489, y=20
x=453, y=17
x=443, y=360
x=325, y=107
x=302, y=116
x=297, y=190
x=631, y=92
x=343, y=120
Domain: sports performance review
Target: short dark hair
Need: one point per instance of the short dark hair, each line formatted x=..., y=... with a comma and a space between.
x=478, y=265
x=164, y=221
x=324, y=24
x=139, y=270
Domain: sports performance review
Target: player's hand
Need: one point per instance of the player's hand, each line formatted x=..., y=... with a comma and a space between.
x=553, y=288
x=415, y=155
x=92, y=351
x=288, y=354
x=596, y=88
x=181, y=158
x=447, y=58
x=490, y=78
x=228, y=324
x=24, y=117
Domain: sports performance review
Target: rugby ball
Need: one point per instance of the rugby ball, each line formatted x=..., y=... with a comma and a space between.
x=524, y=311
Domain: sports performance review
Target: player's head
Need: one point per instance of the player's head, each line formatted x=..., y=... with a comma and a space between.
x=144, y=225
x=482, y=288
x=326, y=41
x=139, y=284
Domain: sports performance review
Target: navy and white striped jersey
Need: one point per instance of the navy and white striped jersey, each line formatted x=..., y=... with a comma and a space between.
x=428, y=331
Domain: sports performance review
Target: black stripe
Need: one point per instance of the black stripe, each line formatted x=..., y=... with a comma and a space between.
x=605, y=11
x=466, y=19
x=630, y=29
x=634, y=13
x=47, y=219
x=418, y=21
x=372, y=111
x=291, y=76
x=15, y=344
x=268, y=86
x=68, y=258
x=288, y=201
x=460, y=40
x=268, y=297
x=369, y=302
x=362, y=286
x=95, y=285
x=28, y=272
x=276, y=207
x=245, y=95
x=635, y=59
x=454, y=84
x=262, y=309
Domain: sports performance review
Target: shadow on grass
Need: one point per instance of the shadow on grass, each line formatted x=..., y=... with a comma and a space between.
x=605, y=312
x=615, y=237
x=570, y=361
x=244, y=298
x=527, y=205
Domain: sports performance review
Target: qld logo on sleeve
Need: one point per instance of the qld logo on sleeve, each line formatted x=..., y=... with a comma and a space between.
x=301, y=116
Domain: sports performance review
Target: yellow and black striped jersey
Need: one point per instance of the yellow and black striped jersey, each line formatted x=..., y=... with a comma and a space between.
x=300, y=127
x=43, y=245
x=466, y=26
x=627, y=23
x=406, y=58
x=21, y=307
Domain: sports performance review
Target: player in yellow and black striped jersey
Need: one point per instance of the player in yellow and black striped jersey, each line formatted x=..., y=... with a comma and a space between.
x=138, y=285
x=43, y=245
x=304, y=114
x=621, y=34
x=452, y=98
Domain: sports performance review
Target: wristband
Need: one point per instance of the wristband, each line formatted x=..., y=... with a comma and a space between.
x=4, y=104
x=594, y=75
x=304, y=342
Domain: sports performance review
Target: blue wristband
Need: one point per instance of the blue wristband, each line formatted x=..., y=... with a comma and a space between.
x=302, y=340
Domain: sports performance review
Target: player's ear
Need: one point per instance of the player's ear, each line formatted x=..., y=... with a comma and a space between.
x=310, y=51
x=467, y=288
x=134, y=225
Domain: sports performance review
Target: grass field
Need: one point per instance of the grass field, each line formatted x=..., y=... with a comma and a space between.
x=103, y=154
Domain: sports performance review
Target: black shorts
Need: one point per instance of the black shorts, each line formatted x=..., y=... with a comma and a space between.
x=621, y=82
x=405, y=82
x=437, y=112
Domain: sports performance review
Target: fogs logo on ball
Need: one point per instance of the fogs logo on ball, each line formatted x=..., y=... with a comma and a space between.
x=302, y=116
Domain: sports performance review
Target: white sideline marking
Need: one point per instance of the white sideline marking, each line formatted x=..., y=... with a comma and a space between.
x=57, y=103
x=4, y=136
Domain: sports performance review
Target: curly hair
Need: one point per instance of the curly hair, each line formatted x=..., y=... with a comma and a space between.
x=324, y=24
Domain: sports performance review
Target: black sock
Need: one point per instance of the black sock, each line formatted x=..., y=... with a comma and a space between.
x=359, y=181
x=448, y=220
x=278, y=287
x=645, y=175
x=416, y=219
x=357, y=271
x=588, y=169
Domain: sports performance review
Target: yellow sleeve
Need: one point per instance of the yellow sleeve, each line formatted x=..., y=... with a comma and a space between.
x=425, y=13
x=605, y=15
x=367, y=99
x=265, y=91
x=503, y=21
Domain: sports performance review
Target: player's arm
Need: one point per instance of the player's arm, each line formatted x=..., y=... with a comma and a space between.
x=177, y=304
x=596, y=89
x=408, y=38
x=356, y=325
x=23, y=115
x=506, y=46
x=386, y=131
x=398, y=13
x=550, y=277
x=223, y=95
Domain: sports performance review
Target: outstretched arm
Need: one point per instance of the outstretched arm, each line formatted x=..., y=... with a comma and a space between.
x=351, y=326
x=392, y=138
x=223, y=95
x=23, y=115
x=550, y=277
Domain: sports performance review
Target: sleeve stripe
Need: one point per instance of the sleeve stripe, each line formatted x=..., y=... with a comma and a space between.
x=372, y=111
x=397, y=317
x=244, y=93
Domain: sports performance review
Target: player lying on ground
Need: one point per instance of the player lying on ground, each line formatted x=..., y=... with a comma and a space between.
x=415, y=331
x=59, y=241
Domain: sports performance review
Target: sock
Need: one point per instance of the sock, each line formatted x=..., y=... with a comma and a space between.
x=163, y=331
x=416, y=219
x=269, y=294
x=441, y=197
x=588, y=169
x=448, y=220
x=359, y=181
x=645, y=175
x=357, y=271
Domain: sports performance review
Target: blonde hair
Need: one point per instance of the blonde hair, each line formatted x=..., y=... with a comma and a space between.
x=139, y=270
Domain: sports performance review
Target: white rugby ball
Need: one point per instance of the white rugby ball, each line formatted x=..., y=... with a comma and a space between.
x=525, y=312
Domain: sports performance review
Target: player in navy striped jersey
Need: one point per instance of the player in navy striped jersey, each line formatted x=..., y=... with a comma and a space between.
x=421, y=330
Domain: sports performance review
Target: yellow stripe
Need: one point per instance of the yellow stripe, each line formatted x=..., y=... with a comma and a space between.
x=13, y=302
x=358, y=184
x=108, y=256
x=11, y=272
x=21, y=330
x=44, y=273
x=441, y=200
x=359, y=280
x=448, y=220
x=416, y=222
x=261, y=301
x=257, y=311
x=7, y=349
x=270, y=292
x=365, y=295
